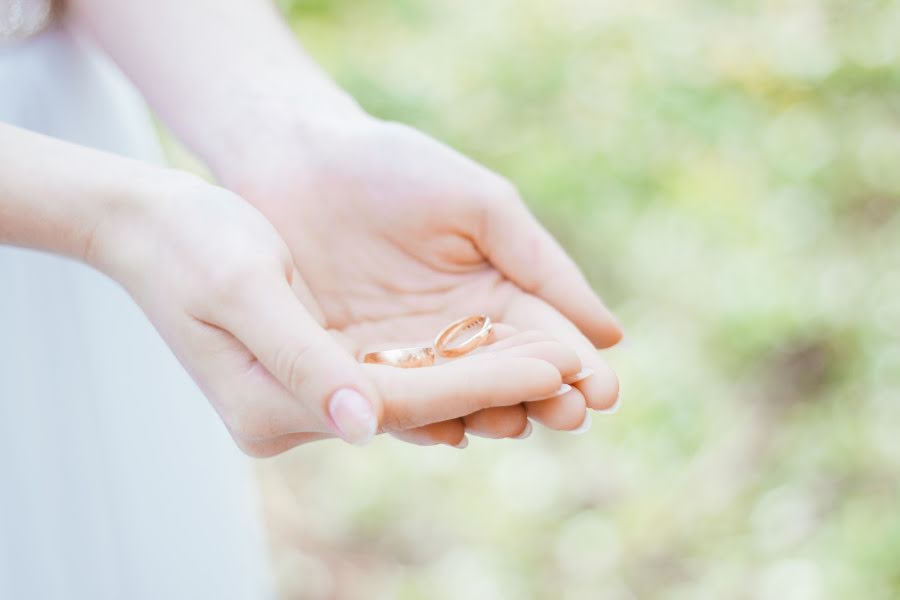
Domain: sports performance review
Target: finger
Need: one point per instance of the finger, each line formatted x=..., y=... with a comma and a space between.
x=302, y=291
x=503, y=422
x=451, y=432
x=256, y=409
x=499, y=422
x=512, y=338
x=510, y=421
x=566, y=412
x=279, y=445
x=505, y=336
x=416, y=397
x=269, y=319
x=501, y=331
x=565, y=359
x=519, y=246
x=601, y=389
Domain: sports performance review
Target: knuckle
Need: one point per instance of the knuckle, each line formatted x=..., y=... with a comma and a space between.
x=496, y=197
x=399, y=420
x=500, y=422
x=490, y=194
x=292, y=365
x=399, y=413
x=562, y=357
x=496, y=193
x=505, y=190
x=545, y=374
x=231, y=282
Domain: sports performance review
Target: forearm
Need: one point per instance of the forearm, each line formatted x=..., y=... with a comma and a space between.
x=61, y=197
x=223, y=74
x=53, y=194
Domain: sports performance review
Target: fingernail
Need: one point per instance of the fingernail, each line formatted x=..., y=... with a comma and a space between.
x=579, y=376
x=585, y=425
x=562, y=390
x=462, y=443
x=352, y=416
x=525, y=432
x=612, y=409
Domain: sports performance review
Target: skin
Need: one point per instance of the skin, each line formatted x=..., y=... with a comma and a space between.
x=396, y=244
x=395, y=234
x=221, y=286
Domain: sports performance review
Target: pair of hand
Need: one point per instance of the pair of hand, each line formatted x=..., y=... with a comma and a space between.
x=365, y=235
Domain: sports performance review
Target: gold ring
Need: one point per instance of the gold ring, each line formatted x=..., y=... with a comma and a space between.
x=405, y=358
x=453, y=329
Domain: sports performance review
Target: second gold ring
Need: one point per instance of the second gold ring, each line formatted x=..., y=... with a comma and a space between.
x=453, y=330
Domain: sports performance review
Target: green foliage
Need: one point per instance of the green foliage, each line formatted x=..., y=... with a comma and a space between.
x=728, y=175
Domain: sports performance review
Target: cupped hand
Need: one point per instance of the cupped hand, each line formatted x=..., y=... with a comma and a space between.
x=221, y=287
x=397, y=235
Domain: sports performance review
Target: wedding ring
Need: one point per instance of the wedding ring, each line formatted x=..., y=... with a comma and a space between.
x=452, y=330
x=405, y=358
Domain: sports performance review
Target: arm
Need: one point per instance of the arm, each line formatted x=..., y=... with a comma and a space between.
x=209, y=271
x=233, y=82
x=362, y=204
x=224, y=74
x=220, y=286
x=58, y=214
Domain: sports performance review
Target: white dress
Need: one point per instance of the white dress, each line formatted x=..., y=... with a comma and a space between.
x=116, y=478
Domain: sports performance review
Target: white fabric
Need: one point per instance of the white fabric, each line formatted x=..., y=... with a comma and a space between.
x=116, y=478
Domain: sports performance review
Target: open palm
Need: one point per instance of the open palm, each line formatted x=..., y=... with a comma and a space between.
x=397, y=235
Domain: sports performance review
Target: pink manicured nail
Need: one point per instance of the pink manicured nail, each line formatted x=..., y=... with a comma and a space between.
x=525, y=432
x=352, y=416
x=585, y=425
x=579, y=376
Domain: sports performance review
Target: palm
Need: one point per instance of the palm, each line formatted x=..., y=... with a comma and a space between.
x=397, y=288
x=402, y=311
x=386, y=242
x=397, y=235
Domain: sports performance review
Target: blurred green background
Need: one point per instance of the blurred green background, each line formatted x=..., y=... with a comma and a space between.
x=728, y=175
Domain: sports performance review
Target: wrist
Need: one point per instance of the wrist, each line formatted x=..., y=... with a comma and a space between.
x=71, y=212
x=271, y=129
x=122, y=241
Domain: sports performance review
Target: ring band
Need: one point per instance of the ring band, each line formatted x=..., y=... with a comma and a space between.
x=405, y=358
x=453, y=329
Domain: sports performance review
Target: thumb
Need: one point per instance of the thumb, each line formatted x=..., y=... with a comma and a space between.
x=317, y=371
x=520, y=248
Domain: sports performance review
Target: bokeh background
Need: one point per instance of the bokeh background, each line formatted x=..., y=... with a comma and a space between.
x=727, y=173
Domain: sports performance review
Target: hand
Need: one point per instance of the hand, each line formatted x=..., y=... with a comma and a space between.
x=221, y=287
x=397, y=235
x=390, y=226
